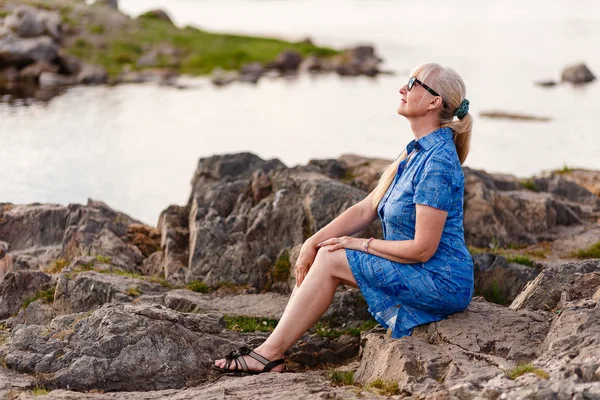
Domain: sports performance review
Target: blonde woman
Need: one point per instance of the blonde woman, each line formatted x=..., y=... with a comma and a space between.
x=421, y=271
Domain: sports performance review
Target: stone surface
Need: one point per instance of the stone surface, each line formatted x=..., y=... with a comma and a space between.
x=29, y=22
x=16, y=287
x=578, y=73
x=20, y=52
x=544, y=292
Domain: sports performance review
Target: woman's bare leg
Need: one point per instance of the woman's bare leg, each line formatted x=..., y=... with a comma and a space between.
x=307, y=304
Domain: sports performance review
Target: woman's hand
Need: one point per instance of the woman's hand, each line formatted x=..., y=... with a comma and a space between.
x=307, y=256
x=344, y=242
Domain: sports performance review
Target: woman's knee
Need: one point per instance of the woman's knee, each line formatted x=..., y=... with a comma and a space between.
x=332, y=261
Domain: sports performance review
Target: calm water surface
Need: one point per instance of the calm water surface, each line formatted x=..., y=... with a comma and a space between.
x=136, y=146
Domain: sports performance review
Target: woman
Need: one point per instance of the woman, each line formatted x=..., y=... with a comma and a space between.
x=422, y=271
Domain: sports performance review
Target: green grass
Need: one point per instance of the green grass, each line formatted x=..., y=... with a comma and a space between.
x=57, y=266
x=2, y=326
x=133, y=291
x=386, y=388
x=341, y=378
x=47, y=295
x=323, y=330
x=565, y=170
x=591, y=252
x=494, y=294
x=197, y=286
x=202, y=51
x=525, y=368
x=103, y=259
x=520, y=259
x=39, y=391
x=242, y=323
x=4, y=13
x=282, y=268
x=96, y=29
x=3, y=362
x=528, y=184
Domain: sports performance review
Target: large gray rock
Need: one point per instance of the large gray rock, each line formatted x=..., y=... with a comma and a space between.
x=20, y=52
x=121, y=347
x=114, y=4
x=29, y=22
x=578, y=73
x=499, y=281
x=248, y=211
x=88, y=290
x=576, y=280
x=16, y=287
x=470, y=347
x=12, y=382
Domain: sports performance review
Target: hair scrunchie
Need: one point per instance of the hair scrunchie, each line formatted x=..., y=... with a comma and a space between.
x=462, y=110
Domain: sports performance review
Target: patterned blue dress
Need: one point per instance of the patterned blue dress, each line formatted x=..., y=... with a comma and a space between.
x=402, y=296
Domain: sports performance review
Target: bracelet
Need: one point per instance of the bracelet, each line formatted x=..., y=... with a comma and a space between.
x=367, y=245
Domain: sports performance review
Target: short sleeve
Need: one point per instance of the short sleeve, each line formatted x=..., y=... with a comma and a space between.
x=435, y=186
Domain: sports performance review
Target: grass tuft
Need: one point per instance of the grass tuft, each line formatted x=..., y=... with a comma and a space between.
x=494, y=294
x=386, y=388
x=58, y=265
x=242, y=323
x=133, y=291
x=46, y=295
x=197, y=286
x=520, y=259
x=323, y=330
x=591, y=252
x=103, y=259
x=341, y=378
x=565, y=170
x=39, y=391
x=282, y=267
x=529, y=185
x=525, y=368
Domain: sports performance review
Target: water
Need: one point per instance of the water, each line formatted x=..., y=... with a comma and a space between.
x=136, y=146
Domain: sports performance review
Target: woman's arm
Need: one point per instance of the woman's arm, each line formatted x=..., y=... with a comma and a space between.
x=428, y=232
x=353, y=220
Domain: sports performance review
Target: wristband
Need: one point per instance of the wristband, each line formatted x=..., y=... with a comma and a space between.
x=367, y=245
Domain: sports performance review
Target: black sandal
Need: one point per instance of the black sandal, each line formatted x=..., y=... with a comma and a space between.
x=237, y=357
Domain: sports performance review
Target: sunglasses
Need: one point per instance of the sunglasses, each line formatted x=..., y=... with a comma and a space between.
x=413, y=80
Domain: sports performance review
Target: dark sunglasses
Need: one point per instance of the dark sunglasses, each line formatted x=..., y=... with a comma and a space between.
x=413, y=80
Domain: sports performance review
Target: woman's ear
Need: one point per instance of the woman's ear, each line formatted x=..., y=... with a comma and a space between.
x=435, y=103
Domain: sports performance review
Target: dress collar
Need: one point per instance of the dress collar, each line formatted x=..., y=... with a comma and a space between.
x=427, y=141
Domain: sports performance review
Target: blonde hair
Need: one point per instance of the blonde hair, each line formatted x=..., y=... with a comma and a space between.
x=451, y=87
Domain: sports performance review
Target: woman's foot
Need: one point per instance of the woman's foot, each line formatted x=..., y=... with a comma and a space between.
x=254, y=363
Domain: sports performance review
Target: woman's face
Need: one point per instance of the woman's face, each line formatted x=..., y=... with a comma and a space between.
x=416, y=102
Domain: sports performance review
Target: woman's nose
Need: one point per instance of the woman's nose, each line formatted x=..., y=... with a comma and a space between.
x=403, y=89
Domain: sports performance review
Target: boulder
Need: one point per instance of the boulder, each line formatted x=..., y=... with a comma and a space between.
x=121, y=348
x=286, y=61
x=29, y=22
x=499, y=281
x=545, y=291
x=220, y=77
x=157, y=14
x=250, y=237
x=251, y=73
x=20, y=52
x=53, y=80
x=578, y=73
x=114, y=4
x=92, y=75
x=33, y=71
x=16, y=287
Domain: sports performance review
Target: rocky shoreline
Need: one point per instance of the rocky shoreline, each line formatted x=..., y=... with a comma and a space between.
x=47, y=47
x=94, y=304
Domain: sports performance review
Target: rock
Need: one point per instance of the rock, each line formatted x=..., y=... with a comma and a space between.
x=309, y=385
x=360, y=172
x=158, y=75
x=512, y=116
x=546, y=83
x=496, y=279
x=50, y=80
x=468, y=348
x=114, y=4
x=22, y=52
x=174, y=230
x=121, y=347
x=39, y=312
x=84, y=291
x=585, y=178
x=33, y=71
x=16, y=287
x=348, y=308
x=567, y=189
x=360, y=60
x=250, y=237
x=69, y=65
x=221, y=78
x=11, y=381
x=28, y=22
x=578, y=73
x=286, y=61
x=518, y=216
x=92, y=75
x=312, y=64
x=251, y=73
x=157, y=14
x=544, y=292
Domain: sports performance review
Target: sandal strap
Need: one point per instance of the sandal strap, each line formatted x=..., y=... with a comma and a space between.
x=273, y=364
x=259, y=358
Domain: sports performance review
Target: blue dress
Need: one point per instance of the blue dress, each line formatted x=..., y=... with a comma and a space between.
x=402, y=296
